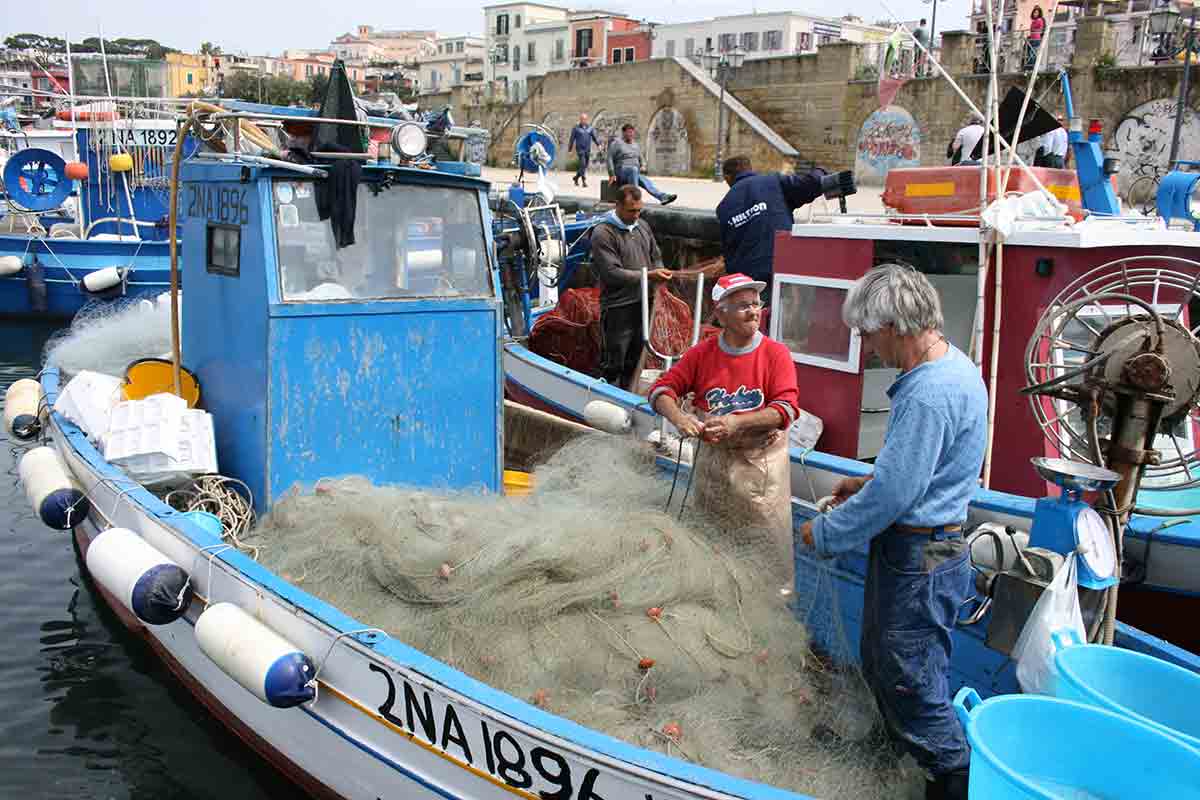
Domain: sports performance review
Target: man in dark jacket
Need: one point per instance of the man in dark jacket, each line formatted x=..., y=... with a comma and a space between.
x=622, y=246
x=757, y=206
x=583, y=136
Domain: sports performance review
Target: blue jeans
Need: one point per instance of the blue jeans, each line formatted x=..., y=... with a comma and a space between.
x=632, y=176
x=585, y=157
x=915, y=586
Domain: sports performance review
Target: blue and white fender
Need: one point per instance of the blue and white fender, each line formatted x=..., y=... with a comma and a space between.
x=152, y=586
x=48, y=486
x=263, y=662
x=22, y=409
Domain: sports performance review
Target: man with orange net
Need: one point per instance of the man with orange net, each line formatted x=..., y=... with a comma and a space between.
x=745, y=395
x=622, y=245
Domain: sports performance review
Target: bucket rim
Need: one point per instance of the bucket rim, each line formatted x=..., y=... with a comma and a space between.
x=1071, y=676
x=1011, y=776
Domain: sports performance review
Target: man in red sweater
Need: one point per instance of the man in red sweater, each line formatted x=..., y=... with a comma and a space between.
x=745, y=395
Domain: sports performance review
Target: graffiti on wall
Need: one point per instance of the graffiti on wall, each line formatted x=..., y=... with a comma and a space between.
x=1143, y=141
x=889, y=138
x=608, y=127
x=666, y=145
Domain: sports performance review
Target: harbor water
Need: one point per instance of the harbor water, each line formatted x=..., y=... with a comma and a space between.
x=86, y=711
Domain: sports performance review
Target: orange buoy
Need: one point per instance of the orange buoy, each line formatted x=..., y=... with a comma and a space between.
x=672, y=731
x=654, y=613
x=646, y=663
x=76, y=171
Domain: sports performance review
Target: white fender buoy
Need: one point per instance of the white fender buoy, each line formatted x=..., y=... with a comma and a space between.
x=607, y=417
x=22, y=409
x=149, y=584
x=10, y=265
x=48, y=486
x=102, y=279
x=263, y=662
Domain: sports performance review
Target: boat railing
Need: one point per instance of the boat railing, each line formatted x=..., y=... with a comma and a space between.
x=303, y=169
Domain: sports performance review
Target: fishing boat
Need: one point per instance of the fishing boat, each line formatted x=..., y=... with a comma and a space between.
x=935, y=226
x=332, y=372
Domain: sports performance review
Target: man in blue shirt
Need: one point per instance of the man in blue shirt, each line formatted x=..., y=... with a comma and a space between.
x=583, y=136
x=912, y=509
x=756, y=206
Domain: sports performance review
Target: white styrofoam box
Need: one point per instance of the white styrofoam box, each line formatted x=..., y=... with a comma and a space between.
x=159, y=440
x=88, y=400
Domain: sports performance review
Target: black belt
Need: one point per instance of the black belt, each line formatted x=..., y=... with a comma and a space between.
x=913, y=529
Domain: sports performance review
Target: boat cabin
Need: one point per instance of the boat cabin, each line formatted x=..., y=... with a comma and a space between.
x=815, y=264
x=375, y=354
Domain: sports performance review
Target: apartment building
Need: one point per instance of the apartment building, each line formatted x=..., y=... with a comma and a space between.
x=458, y=61
x=761, y=35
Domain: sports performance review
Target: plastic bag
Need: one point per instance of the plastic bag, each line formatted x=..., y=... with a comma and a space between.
x=1057, y=609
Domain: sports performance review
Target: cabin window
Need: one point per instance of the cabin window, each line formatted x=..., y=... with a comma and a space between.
x=409, y=241
x=224, y=249
x=806, y=316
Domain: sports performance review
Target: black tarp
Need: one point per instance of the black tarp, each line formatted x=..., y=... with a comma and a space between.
x=1037, y=120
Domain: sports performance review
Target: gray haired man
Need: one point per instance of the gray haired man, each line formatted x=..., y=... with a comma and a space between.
x=911, y=509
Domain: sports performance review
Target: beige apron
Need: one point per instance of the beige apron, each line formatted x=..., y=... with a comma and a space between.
x=746, y=488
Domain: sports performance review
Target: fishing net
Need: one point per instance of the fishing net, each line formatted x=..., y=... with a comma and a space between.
x=106, y=336
x=588, y=600
x=570, y=333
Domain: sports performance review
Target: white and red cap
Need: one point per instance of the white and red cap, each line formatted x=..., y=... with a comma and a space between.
x=732, y=283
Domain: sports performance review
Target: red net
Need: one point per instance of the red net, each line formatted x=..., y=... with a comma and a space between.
x=570, y=334
x=670, y=327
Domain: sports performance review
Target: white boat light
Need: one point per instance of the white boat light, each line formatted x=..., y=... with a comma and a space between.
x=409, y=140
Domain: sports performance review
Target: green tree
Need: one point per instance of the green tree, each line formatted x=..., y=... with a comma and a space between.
x=209, y=49
x=318, y=85
x=36, y=41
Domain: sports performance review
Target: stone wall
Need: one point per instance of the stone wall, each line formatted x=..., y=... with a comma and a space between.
x=815, y=105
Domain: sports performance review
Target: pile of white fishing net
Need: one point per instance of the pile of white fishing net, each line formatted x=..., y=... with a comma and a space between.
x=106, y=336
x=588, y=600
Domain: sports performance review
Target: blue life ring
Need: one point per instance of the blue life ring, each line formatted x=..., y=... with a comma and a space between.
x=36, y=179
x=525, y=144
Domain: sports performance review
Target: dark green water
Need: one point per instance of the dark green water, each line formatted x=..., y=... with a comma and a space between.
x=86, y=711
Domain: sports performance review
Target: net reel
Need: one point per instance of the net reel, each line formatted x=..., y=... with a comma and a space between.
x=535, y=250
x=1113, y=372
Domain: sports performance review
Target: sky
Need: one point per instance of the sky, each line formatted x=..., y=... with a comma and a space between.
x=267, y=28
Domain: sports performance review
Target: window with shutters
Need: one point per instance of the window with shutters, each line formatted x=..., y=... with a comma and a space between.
x=671, y=48
x=750, y=41
x=774, y=40
x=616, y=56
x=726, y=42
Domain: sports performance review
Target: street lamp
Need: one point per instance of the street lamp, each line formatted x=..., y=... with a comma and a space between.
x=1164, y=20
x=720, y=66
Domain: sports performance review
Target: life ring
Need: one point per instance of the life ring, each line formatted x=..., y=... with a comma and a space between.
x=37, y=179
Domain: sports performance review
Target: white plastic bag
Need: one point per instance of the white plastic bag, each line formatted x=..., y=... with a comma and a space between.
x=1057, y=609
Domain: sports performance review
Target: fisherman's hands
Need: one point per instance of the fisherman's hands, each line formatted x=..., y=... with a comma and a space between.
x=660, y=274
x=848, y=487
x=688, y=426
x=723, y=427
x=839, y=184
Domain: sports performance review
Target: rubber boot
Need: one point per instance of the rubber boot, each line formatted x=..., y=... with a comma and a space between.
x=947, y=786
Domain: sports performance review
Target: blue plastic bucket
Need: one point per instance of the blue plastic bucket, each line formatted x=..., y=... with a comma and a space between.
x=1139, y=686
x=1044, y=747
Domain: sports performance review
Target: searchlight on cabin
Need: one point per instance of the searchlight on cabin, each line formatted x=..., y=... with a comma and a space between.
x=409, y=140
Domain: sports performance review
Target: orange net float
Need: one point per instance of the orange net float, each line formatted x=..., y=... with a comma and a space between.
x=76, y=171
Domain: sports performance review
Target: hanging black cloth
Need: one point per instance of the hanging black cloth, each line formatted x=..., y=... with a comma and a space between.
x=337, y=195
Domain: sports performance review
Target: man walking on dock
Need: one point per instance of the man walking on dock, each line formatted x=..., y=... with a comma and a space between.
x=911, y=509
x=583, y=136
